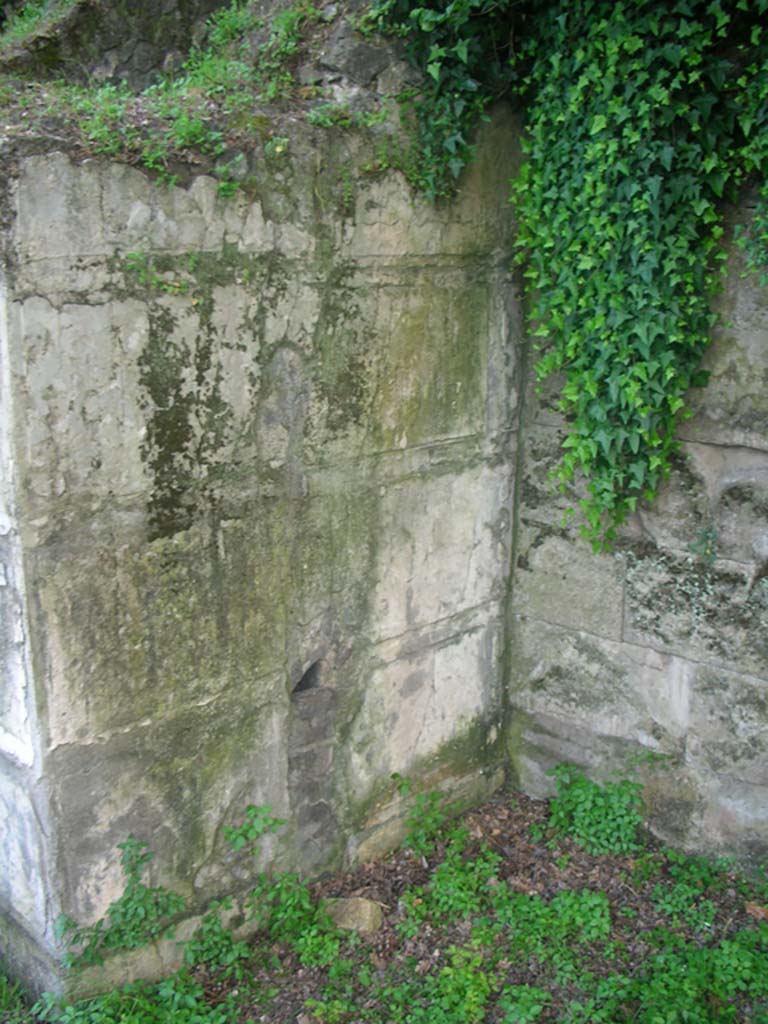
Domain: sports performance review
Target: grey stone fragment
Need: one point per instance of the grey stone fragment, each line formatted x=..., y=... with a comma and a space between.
x=729, y=725
x=348, y=54
x=355, y=914
x=560, y=580
x=397, y=77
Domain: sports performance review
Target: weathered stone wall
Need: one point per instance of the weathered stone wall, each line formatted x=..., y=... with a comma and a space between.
x=24, y=854
x=261, y=512
x=258, y=466
x=662, y=646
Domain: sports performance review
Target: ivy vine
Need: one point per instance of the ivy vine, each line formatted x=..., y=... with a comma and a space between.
x=463, y=48
x=642, y=119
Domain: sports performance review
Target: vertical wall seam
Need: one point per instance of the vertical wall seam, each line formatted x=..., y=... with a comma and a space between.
x=521, y=346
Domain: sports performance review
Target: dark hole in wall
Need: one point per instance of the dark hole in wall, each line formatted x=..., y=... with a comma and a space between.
x=311, y=742
x=309, y=681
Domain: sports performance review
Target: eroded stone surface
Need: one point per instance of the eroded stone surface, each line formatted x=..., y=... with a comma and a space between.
x=264, y=497
x=659, y=648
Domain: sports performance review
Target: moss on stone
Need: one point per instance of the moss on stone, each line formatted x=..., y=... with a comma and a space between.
x=426, y=391
x=478, y=747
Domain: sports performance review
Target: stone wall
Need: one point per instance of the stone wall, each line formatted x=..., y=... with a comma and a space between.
x=24, y=807
x=660, y=648
x=259, y=473
x=268, y=536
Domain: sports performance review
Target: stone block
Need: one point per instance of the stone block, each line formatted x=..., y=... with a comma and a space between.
x=681, y=515
x=683, y=605
x=388, y=222
x=673, y=802
x=306, y=731
x=25, y=879
x=132, y=634
x=441, y=699
x=541, y=499
x=734, y=818
x=562, y=581
x=714, y=505
x=17, y=725
x=58, y=211
x=741, y=519
x=442, y=553
x=605, y=688
x=252, y=435
x=733, y=408
x=89, y=448
x=729, y=725
x=406, y=394
x=175, y=783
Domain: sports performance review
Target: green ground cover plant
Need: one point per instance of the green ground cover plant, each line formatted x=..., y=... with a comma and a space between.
x=426, y=817
x=602, y=819
x=214, y=945
x=489, y=926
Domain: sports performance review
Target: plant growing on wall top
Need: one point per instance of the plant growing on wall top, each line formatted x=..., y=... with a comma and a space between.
x=463, y=47
x=641, y=119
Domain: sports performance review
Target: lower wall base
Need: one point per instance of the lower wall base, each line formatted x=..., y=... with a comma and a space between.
x=24, y=959
x=708, y=814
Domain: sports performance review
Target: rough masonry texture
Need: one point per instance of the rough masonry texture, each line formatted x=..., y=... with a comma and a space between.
x=660, y=648
x=268, y=536
x=257, y=512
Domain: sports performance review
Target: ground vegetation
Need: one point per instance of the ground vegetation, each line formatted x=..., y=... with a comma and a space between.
x=521, y=910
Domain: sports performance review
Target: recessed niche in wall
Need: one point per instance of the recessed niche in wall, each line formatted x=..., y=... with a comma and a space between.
x=311, y=747
x=311, y=679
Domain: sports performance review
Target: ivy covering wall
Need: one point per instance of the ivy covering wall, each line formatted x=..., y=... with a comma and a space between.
x=643, y=121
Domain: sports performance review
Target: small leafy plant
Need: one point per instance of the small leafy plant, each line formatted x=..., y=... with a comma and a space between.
x=139, y=916
x=214, y=945
x=425, y=819
x=602, y=819
x=258, y=822
x=281, y=49
x=283, y=907
x=523, y=1004
x=281, y=904
x=684, y=902
x=330, y=115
